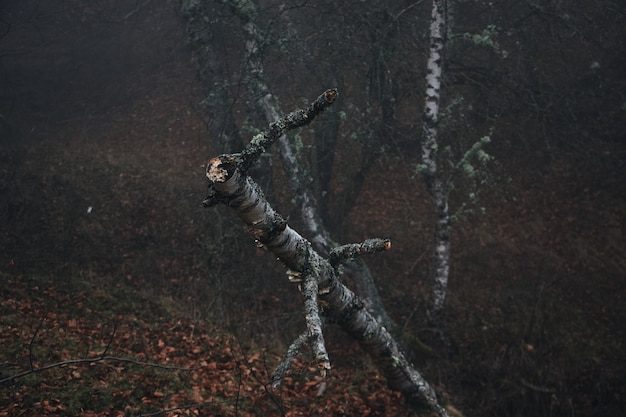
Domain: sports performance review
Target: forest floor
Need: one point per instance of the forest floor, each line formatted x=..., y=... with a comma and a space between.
x=121, y=295
x=97, y=352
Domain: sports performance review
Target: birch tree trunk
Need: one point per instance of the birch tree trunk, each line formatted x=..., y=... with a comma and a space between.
x=230, y=185
x=267, y=105
x=429, y=148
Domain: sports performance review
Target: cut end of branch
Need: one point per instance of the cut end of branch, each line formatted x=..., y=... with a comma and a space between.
x=218, y=169
x=330, y=95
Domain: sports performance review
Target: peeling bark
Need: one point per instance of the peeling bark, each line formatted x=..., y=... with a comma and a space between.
x=229, y=184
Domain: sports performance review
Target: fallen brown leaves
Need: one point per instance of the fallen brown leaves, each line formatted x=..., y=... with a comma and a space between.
x=156, y=367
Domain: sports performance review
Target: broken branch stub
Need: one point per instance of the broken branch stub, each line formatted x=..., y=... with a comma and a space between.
x=346, y=252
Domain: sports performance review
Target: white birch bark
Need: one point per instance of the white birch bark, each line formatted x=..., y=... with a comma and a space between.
x=232, y=186
x=429, y=147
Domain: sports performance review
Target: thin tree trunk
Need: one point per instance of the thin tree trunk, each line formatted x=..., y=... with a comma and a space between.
x=267, y=104
x=432, y=177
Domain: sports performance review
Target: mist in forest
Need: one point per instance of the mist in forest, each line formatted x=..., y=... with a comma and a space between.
x=110, y=110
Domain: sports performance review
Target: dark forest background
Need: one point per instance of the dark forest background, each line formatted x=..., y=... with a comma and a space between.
x=109, y=112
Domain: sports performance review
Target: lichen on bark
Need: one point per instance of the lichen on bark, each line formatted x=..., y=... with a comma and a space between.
x=230, y=184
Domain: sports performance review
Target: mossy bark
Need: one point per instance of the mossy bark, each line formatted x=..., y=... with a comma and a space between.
x=229, y=184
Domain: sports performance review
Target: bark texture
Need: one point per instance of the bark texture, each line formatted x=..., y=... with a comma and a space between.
x=267, y=104
x=229, y=184
x=436, y=186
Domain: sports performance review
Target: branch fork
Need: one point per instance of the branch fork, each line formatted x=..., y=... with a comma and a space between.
x=229, y=184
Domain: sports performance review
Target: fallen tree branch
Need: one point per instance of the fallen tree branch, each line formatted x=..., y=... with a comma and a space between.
x=282, y=368
x=344, y=253
x=266, y=103
x=230, y=185
x=12, y=378
x=102, y=357
x=314, y=323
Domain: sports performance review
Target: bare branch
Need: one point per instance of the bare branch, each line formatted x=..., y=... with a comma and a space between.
x=108, y=346
x=352, y=250
x=12, y=378
x=32, y=341
x=99, y=358
x=314, y=323
x=293, y=120
x=290, y=355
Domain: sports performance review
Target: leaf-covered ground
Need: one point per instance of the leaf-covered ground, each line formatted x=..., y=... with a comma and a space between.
x=109, y=362
x=107, y=258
